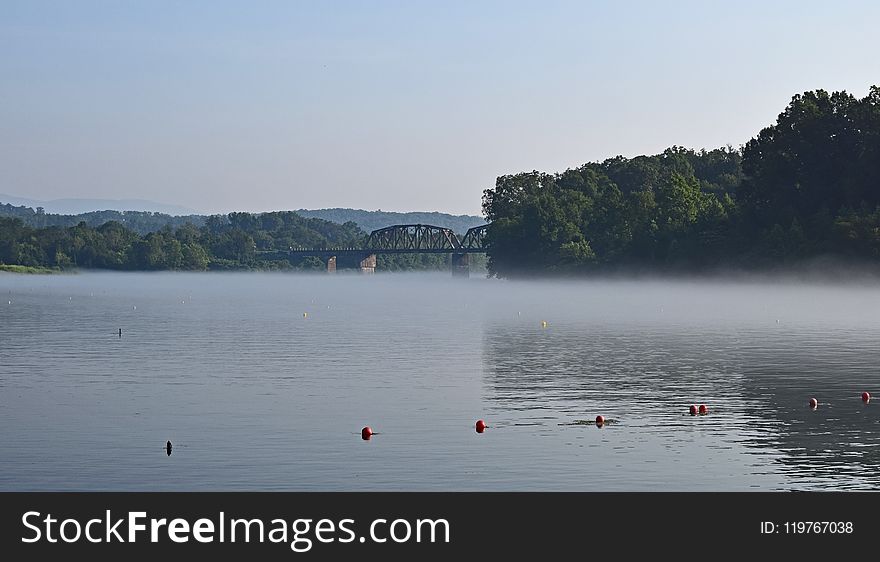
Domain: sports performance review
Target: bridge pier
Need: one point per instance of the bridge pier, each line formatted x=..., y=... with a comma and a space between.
x=460, y=265
x=368, y=264
x=331, y=264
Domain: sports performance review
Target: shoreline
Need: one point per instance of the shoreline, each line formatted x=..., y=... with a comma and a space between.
x=30, y=270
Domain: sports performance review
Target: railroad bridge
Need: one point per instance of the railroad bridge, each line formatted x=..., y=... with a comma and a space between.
x=402, y=239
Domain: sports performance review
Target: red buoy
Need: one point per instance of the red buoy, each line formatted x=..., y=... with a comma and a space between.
x=866, y=397
x=480, y=426
x=703, y=409
x=693, y=410
x=600, y=421
x=814, y=403
x=366, y=433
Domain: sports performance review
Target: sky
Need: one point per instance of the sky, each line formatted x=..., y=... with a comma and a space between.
x=400, y=106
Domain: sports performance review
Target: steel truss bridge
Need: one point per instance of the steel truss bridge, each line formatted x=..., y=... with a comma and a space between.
x=401, y=239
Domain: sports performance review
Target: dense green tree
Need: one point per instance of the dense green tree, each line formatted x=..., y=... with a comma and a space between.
x=820, y=155
x=806, y=186
x=235, y=241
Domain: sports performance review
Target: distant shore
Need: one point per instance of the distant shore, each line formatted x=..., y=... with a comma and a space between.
x=28, y=270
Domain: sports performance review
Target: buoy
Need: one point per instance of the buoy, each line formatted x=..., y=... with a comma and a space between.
x=168, y=447
x=600, y=421
x=814, y=403
x=693, y=410
x=305, y=314
x=480, y=426
x=866, y=397
x=366, y=433
x=120, y=332
x=703, y=410
x=543, y=323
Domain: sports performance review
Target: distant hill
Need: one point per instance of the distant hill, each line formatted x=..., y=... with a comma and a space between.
x=373, y=220
x=141, y=222
x=144, y=222
x=80, y=206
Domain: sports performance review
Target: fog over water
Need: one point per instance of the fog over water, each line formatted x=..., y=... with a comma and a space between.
x=263, y=381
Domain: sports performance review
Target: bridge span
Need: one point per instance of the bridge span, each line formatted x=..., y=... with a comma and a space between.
x=401, y=239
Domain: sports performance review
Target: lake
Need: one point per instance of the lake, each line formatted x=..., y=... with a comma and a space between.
x=263, y=381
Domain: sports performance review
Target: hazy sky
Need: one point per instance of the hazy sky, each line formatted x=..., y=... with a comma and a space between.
x=403, y=105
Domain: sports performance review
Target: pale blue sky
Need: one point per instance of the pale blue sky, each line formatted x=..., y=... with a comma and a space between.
x=403, y=105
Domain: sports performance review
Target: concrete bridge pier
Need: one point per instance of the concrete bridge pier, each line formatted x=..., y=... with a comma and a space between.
x=331, y=264
x=460, y=265
x=368, y=264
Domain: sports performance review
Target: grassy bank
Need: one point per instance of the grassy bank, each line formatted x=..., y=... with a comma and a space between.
x=28, y=269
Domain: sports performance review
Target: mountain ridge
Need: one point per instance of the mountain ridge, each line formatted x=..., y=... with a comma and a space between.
x=144, y=221
x=373, y=220
x=77, y=206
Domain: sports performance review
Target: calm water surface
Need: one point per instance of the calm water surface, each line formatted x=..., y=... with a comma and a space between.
x=256, y=396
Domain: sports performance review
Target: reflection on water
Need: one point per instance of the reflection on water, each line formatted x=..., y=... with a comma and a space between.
x=837, y=445
x=294, y=366
x=758, y=383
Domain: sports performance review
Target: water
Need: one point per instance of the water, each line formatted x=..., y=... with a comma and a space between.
x=255, y=396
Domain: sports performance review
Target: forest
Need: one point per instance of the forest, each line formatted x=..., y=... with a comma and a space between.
x=231, y=241
x=237, y=241
x=805, y=187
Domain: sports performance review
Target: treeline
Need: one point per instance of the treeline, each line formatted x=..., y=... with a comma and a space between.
x=807, y=186
x=144, y=222
x=232, y=241
x=237, y=241
x=141, y=222
x=265, y=236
